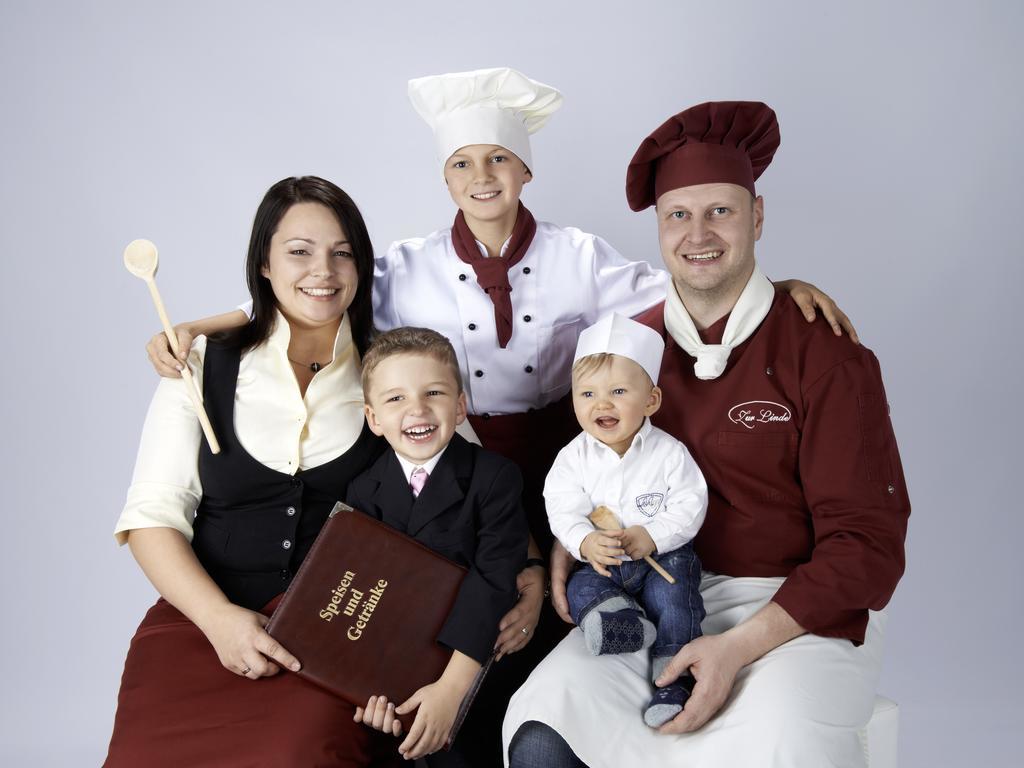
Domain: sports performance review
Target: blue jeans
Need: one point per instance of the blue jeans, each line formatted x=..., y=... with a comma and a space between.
x=676, y=610
x=536, y=745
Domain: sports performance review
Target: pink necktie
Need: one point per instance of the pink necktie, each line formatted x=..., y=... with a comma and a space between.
x=418, y=480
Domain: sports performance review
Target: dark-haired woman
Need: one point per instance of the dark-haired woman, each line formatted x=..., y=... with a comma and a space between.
x=220, y=536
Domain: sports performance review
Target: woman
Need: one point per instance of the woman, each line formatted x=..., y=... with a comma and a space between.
x=201, y=683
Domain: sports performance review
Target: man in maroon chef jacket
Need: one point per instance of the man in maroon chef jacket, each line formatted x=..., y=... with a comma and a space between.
x=807, y=502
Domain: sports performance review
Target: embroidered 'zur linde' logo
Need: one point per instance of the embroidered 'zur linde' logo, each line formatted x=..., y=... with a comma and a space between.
x=649, y=503
x=755, y=412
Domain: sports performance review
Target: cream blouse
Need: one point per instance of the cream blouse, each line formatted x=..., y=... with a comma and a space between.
x=279, y=427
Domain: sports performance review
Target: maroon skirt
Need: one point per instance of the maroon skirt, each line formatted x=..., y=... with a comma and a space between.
x=179, y=707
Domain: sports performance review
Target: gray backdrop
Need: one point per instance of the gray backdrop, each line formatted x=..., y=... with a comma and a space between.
x=896, y=188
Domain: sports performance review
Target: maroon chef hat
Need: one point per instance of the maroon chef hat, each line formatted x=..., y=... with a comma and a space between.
x=716, y=142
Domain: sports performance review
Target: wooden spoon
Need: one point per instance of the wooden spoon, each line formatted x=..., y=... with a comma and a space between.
x=140, y=258
x=605, y=520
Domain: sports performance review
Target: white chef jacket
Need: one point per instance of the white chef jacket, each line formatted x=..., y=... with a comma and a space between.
x=656, y=484
x=280, y=428
x=565, y=282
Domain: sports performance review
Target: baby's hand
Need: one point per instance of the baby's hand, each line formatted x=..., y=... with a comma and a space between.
x=601, y=548
x=637, y=542
x=379, y=714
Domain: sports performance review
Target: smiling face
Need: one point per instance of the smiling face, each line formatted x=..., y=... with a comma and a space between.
x=310, y=267
x=414, y=401
x=485, y=181
x=707, y=234
x=612, y=399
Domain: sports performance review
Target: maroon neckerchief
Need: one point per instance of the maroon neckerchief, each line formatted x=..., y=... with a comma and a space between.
x=492, y=273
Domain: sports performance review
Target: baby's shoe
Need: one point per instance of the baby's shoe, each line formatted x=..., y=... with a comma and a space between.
x=669, y=701
x=623, y=631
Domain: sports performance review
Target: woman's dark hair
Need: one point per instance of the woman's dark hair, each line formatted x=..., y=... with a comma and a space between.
x=276, y=203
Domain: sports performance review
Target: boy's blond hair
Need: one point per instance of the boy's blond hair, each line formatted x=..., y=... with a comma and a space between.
x=409, y=340
x=598, y=360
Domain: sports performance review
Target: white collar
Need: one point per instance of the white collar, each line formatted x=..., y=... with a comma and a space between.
x=281, y=335
x=428, y=466
x=750, y=309
x=483, y=248
x=636, y=445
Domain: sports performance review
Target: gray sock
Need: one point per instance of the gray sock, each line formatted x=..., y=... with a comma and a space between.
x=658, y=664
x=617, y=625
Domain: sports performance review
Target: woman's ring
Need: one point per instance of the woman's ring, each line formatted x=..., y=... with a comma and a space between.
x=247, y=670
x=525, y=631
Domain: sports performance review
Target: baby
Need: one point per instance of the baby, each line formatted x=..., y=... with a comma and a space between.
x=652, y=484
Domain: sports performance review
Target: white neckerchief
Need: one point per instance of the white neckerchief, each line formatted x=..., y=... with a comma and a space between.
x=750, y=309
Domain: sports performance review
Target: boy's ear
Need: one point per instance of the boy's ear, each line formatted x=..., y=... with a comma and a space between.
x=460, y=409
x=371, y=420
x=527, y=174
x=653, y=402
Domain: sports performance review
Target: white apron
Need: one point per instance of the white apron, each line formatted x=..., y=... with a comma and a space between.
x=801, y=705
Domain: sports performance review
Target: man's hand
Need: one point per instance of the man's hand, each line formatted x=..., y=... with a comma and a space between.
x=714, y=663
x=602, y=548
x=561, y=567
x=715, y=660
x=637, y=542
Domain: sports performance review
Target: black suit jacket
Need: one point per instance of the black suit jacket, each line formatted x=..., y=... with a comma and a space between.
x=469, y=511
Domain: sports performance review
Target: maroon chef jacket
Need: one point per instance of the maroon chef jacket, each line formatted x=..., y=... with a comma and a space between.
x=804, y=476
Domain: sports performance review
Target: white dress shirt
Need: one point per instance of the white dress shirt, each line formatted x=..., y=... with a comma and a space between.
x=565, y=282
x=279, y=427
x=428, y=466
x=656, y=484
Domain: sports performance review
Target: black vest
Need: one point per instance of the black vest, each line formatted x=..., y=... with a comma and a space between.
x=255, y=525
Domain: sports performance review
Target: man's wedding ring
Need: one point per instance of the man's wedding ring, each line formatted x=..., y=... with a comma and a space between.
x=247, y=670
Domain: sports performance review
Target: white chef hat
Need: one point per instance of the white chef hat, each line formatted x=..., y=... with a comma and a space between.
x=486, y=106
x=618, y=335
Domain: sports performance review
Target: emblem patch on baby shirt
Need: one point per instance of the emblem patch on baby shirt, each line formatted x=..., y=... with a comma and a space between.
x=649, y=503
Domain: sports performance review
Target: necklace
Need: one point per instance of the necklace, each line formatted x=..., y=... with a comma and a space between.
x=314, y=366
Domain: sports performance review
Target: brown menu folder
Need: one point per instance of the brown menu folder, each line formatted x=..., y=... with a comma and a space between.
x=364, y=610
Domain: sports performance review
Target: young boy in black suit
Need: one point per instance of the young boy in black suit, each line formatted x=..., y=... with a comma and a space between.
x=451, y=495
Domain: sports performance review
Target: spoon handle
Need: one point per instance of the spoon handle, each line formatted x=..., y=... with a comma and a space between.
x=186, y=374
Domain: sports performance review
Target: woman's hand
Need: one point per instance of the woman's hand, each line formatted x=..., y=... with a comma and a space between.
x=159, y=350
x=808, y=297
x=243, y=645
x=379, y=714
x=524, y=614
